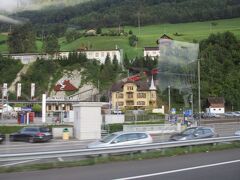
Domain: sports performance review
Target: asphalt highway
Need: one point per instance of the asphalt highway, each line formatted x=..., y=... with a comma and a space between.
x=219, y=165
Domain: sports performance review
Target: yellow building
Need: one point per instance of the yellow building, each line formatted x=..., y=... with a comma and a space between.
x=133, y=95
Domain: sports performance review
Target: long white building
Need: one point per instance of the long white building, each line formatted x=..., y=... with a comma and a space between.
x=99, y=55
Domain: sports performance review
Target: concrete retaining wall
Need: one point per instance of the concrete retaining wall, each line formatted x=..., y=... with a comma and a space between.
x=58, y=132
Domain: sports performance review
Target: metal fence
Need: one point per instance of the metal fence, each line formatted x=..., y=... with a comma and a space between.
x=154, y=128
x=112, y=150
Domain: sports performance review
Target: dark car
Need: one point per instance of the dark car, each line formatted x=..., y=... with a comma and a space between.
x=2, y=137
x=194, y=133
x=32, y=134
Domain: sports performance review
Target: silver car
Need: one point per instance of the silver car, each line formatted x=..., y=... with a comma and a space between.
x=122, y=139
x=237, y=133
x=194, y=133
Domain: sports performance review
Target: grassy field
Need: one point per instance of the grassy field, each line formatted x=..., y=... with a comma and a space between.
x=3, y=45
x=148, y=35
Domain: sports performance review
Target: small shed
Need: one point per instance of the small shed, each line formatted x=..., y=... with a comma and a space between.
x=216, y=105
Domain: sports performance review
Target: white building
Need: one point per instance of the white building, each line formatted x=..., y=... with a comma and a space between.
x=99, y=55
x=152, y=52
x=102, y=54
x=216, y=105
x=27, y=58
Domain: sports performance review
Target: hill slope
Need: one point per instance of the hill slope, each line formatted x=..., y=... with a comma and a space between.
x=147, y=36
x=110, y=13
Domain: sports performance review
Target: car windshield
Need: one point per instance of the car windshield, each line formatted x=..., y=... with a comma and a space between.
x=29, y=130
x=188, y=131
x=108, y=138
x=44, y=130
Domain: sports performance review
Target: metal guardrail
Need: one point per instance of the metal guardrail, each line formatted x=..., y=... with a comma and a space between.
x=154, y=128
x=112, y=150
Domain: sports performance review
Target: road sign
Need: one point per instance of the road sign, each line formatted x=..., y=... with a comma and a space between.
x=187, y=113
x=26, y=109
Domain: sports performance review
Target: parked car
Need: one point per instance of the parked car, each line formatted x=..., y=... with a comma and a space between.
x=2, y=137
x=32, y=134
x=231, y=114
x=210, y=115
x=237, y=114
x=194, y=133
x=122, y=139
x=237, y=133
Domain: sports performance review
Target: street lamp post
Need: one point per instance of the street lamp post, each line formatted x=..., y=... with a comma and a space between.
x=169, y=99
x=199, y=93
x=2, y=105
x=192, y=104
x=62, y=113
x=3, y=93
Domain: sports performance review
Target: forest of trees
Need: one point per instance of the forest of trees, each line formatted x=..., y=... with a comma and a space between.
x=220, y=68
x=111, y=13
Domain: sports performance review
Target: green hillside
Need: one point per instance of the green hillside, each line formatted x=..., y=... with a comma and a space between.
x=3, y=45
x=147, y=35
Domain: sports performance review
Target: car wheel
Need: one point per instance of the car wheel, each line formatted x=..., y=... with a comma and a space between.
x=31, y=140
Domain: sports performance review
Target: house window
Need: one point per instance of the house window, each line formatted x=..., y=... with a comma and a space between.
x=97, y=54
x=49, y=107
x=141, y=95
x=90, y=53
x=141, y=103
x=119, y=95
x=120, y=103
x=130, y=95
x=130, y=103
x=129, y=88
x=57, y=108
x=102, y=54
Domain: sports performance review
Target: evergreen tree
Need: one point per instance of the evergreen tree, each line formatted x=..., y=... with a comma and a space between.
x=220, y=69
x=50, y=44
x=22, y=39
x=115, y=64
x=126, y=62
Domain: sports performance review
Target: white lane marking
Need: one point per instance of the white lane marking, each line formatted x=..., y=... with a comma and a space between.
x=178, y=170
x=16, y=163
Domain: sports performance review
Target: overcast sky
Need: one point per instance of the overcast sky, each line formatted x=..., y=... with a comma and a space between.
x=8, y=5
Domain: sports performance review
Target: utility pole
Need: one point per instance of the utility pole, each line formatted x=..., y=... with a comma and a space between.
x=2, y=105
x=192, y=104
x=199, y=93
x=139, y=23
x=169, y=99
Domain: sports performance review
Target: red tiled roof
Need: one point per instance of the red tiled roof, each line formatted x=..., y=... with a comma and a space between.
x=165, y=37
x=141, y=85
x=216, y=101
x=66, y=86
